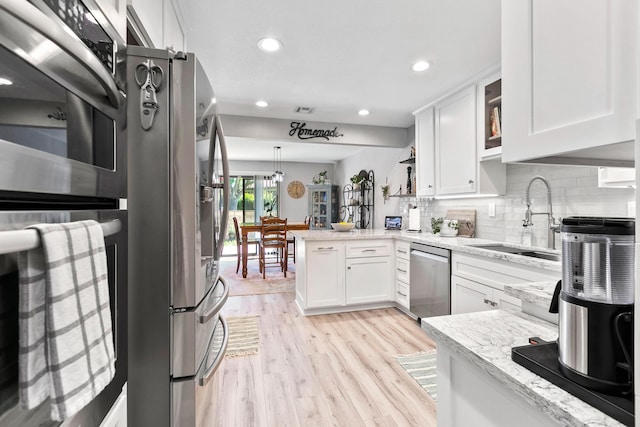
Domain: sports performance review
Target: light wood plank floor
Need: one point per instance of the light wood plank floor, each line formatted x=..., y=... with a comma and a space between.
x=332, y=370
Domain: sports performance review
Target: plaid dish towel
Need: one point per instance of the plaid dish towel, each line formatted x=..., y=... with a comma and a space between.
x=66, y=344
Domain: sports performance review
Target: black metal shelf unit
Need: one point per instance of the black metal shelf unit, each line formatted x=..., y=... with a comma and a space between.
x=358, y=201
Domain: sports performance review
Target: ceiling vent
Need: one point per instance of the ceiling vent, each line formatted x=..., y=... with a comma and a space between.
x=304, y=110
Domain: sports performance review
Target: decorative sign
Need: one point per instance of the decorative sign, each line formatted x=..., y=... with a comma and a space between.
x=58, y=115
x=302, y=132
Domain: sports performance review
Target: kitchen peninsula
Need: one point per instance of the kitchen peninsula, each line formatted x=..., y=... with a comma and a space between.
x=358, y=270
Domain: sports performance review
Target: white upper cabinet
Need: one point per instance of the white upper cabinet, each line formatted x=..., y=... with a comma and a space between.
x=455, y=143
x=569, y=77
x=159, y=22
x=425, y=152
x=116, y=12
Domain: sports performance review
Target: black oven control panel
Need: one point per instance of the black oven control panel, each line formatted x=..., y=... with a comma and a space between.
x=84, y=24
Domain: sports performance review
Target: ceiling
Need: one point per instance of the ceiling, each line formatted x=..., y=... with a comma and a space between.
x=340, y=56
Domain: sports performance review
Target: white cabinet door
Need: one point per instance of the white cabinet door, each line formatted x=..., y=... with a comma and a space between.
x=325, y=274
x=569, y=75
x=148, y=17
x=506, y=302
x=116, y=13
x=173, y=31
x=402, y=294
x=468, y=296
x=425, y=153
x=369, y=280
x=455, y=130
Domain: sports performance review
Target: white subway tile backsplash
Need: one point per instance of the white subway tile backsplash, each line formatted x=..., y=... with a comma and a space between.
x=574, y=192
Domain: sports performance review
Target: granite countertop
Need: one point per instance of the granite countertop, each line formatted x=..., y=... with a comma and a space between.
x=485, y=340
x=539, y=293
x=458, y=244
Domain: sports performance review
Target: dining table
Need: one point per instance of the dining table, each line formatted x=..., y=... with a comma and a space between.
x=246, y=228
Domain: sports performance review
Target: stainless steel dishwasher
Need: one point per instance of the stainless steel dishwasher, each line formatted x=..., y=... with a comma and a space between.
x=430, y=281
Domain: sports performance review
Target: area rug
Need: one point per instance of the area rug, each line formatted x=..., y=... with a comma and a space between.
x=422, y=368
x=254, y=284
x=244, y=338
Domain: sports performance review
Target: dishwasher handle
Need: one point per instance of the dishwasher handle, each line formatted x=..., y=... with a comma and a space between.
x=429, y=256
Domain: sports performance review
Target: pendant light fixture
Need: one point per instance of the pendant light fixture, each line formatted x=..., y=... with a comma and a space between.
x=278, y=175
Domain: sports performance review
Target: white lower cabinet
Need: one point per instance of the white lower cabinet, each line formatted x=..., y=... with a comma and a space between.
x=477, y=283
x=368, y=280
x=403, y=274
x=325, y=274
x=347, y=273
x=469, y=296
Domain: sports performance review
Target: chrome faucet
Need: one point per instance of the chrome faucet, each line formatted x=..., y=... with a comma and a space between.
x=552, y=225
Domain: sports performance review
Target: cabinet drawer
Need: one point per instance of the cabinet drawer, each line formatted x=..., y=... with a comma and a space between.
x=402, y=270
x=497, y=273
x=402, y=294
x=402, y=250
x=368, y=249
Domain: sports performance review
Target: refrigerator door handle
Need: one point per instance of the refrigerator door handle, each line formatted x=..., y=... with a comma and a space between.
x=225, y=183
x=212, y=311
x=202, y=381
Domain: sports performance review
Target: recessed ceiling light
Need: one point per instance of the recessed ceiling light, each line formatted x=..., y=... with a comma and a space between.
x=269, y=44
x=420, y=66
x=363, y=112
x=262, y=104
x=4, y=81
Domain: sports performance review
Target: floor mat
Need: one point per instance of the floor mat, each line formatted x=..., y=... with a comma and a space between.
x=244, y=337
x=422, y=368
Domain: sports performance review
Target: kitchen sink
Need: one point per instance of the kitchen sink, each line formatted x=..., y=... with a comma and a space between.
x=520, y=251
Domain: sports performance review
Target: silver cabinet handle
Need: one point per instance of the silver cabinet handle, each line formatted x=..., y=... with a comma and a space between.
x=486, y=301
x=471, y=181
x=212, y=311
x=328, y=248
x=401, y=251
x=369, y=250
x=399, y=269
x=225, y=341
x=404, y=295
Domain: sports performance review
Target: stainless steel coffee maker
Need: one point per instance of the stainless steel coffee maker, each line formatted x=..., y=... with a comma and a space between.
x=595, y=341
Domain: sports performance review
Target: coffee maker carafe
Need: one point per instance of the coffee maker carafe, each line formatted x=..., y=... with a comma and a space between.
x=595, y=341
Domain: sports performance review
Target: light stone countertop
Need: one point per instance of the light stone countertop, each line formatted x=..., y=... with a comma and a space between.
x=485, y=340
x=458, y=244
x=539, y=293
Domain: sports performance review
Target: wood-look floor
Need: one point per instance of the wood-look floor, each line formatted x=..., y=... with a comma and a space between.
x=331, y=370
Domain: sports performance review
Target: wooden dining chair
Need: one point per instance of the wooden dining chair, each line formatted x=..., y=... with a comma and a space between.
x=250, y=242
x=273, y=237
x=291, y=241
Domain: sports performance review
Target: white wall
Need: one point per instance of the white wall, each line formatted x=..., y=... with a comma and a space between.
x=293, y=209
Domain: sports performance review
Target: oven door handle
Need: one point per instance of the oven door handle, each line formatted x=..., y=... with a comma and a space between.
x=212, y=311
x=30, y=15
x=223, y=349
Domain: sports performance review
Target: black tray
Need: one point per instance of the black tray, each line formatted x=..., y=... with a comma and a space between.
x=542, y=359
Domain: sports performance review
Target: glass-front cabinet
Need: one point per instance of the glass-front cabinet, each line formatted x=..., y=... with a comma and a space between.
x=323, y=206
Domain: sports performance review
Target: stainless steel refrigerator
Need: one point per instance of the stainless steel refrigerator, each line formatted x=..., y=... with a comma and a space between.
x=177, y=223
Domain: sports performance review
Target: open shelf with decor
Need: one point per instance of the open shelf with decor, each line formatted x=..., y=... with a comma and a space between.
x=357, y=200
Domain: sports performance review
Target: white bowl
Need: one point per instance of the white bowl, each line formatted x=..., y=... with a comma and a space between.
x=448, y=232
x=345, y=226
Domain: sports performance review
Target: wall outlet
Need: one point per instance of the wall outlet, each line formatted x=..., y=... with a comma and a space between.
x=492, y=210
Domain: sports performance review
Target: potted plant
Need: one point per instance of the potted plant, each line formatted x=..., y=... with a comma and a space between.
x=436, y=225
x=385, y=191
x=321, y=178
x=356, y=180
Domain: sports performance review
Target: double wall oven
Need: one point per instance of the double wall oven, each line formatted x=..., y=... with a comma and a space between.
x=62, y=159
